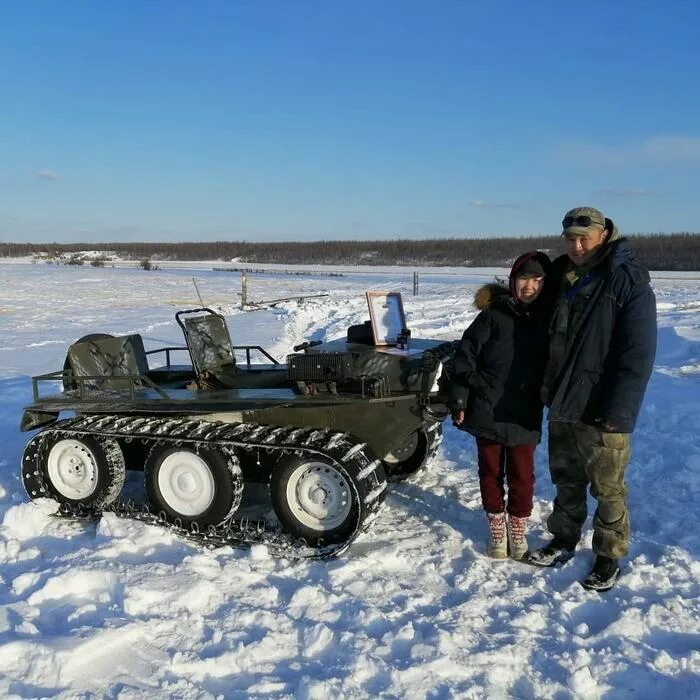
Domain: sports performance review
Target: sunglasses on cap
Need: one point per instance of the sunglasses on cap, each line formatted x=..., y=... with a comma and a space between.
x=583, y=220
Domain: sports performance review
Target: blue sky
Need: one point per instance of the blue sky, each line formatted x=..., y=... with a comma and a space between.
x=268, y=120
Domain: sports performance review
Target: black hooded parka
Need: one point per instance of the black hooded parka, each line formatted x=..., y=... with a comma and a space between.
x=497, y=369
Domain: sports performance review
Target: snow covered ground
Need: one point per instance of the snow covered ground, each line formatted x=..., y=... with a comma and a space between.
x=413, y=610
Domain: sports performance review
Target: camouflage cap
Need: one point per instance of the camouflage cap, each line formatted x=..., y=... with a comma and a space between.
x=574, y=221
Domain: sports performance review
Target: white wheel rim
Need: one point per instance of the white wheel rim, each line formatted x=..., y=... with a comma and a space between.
x=72, y=469
x=404, y=450
x=319, y=496
x=186, y=483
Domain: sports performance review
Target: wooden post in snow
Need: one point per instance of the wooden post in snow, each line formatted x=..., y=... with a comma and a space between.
x=244, y=289
x=199, y=296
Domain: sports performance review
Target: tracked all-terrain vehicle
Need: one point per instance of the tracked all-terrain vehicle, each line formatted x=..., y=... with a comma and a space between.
x=323, y=432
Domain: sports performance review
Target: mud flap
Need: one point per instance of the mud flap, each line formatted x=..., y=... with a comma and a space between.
x=37, y=419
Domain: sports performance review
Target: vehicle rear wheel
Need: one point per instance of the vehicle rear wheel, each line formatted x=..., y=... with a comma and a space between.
x=80, y=471
x=316, y=499
x=408, y=457
x=202, y=487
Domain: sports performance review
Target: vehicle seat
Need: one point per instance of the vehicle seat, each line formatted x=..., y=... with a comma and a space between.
x=214, y=360
x=120, y=356
x=209, y=343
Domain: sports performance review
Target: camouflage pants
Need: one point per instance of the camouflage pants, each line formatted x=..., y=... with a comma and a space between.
x=580, y=455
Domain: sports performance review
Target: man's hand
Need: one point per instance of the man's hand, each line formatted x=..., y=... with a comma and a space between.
x=457, y=417
x=606, y=426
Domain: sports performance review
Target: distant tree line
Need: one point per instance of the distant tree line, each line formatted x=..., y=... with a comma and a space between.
x=676, y=251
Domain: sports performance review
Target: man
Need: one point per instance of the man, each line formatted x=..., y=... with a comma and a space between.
x=602, y=342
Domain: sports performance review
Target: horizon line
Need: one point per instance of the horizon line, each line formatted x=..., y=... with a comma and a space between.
x=333, y=240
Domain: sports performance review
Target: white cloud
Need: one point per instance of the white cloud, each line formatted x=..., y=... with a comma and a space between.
x=656, y=150
x=673, y=148
x=47, y=175
x=481, y=204
x=627, y=193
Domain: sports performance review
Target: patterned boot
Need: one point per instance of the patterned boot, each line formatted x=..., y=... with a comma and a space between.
x=516, y=536
x=498, y=542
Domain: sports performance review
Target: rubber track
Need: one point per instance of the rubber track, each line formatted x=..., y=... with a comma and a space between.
x=339, y=448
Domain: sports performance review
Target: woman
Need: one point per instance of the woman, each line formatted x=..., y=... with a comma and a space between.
x=494, y=395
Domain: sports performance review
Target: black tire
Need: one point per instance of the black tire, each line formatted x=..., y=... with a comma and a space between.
x=69, y=384
x=202, y=487
x=299, y=505
x=84, y=471
x=403, y=463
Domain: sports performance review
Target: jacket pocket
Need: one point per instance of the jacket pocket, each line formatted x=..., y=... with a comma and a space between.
x=590, y=392
x=615, y=441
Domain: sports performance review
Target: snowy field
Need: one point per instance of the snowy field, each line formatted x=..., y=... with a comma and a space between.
x=414, y=609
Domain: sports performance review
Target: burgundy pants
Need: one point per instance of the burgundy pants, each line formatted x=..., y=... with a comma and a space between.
x=512, y=465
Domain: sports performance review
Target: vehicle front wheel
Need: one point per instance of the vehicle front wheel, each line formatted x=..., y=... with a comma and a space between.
x=199, y=488
x=408, y=457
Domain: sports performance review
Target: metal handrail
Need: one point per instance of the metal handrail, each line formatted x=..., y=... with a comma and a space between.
x=131, y=382
x=167, y=351
x=247, y=348
x=259, y=348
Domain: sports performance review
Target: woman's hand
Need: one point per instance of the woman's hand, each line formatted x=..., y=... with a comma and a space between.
x=457, y=417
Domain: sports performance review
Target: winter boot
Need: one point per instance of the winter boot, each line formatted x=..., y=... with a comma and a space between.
x=555, y=553
x=516, y=536
x=603, y=575
x=498, y=542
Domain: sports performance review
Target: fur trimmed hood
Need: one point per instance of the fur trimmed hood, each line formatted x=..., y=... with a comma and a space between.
x=489, y=294
x=486, y=296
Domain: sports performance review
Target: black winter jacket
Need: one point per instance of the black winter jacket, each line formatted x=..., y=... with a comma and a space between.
x=602, y=341
x=496, y=372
